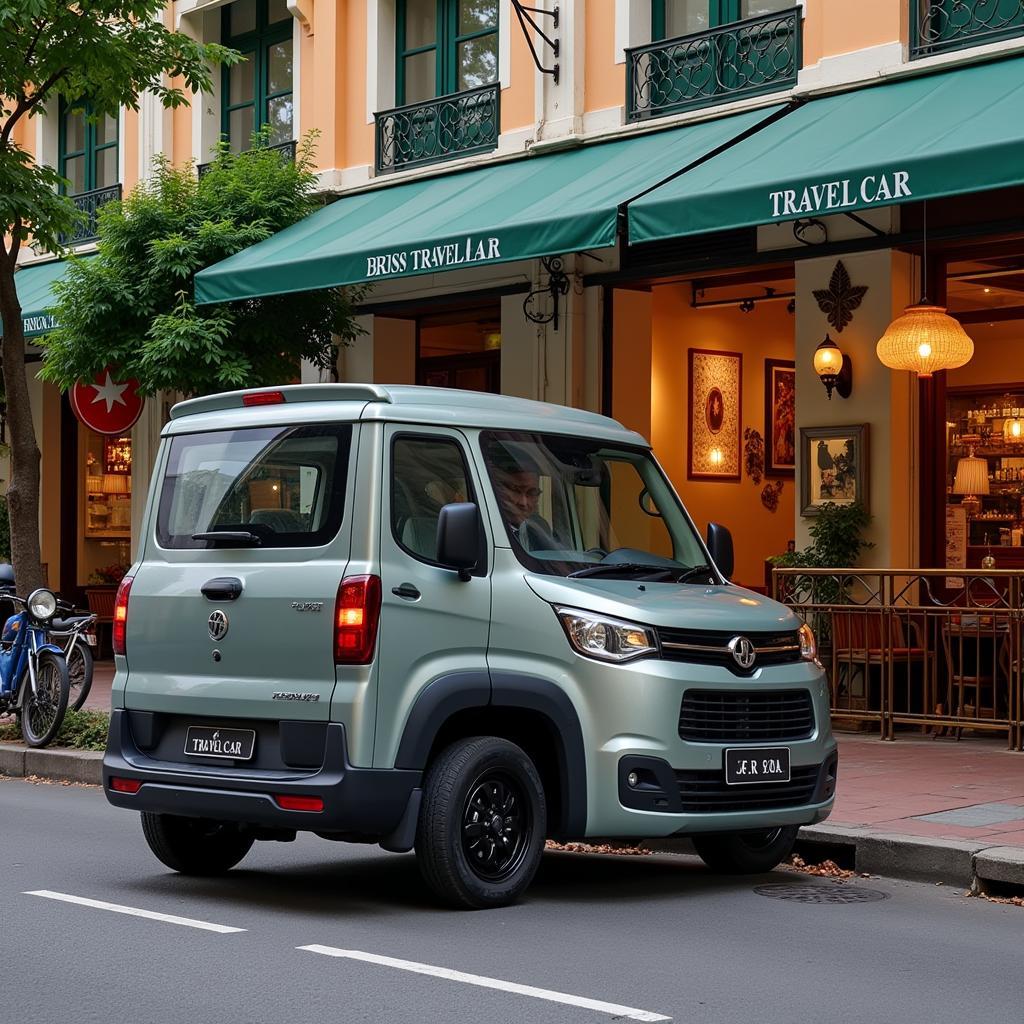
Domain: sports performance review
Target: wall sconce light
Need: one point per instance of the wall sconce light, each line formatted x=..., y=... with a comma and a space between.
x=715, y=457
x=834, y=368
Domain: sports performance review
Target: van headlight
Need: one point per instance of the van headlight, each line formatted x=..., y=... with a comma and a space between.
x=808, y=645
x=598, y=636
x=42, y=604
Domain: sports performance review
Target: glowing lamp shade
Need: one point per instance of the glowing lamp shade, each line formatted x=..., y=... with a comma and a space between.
x=827, y=358
x=971, y=476
x=924, y=340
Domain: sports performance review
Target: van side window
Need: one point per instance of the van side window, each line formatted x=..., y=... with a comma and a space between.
x=427, y=473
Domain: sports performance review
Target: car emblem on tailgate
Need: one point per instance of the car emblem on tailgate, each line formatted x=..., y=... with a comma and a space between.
x=217, y=624
x=742, y=651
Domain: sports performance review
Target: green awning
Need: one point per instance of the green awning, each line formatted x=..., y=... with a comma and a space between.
x=918, y=138
x=34, y=284
x=536, y=206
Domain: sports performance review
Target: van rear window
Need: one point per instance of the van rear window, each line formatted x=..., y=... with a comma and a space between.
x=275, y=487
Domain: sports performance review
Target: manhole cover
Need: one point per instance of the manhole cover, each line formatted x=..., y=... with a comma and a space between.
x=833, y=893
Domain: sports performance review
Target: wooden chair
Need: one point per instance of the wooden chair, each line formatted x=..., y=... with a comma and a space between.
x=101, y=601
x=858, y=646
x=969, y=683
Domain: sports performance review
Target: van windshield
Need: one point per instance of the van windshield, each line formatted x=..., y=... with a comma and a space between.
x=578, y=507
x=256, y=487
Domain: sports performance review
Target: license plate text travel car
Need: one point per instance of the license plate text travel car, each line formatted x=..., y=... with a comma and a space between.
x=235, y=744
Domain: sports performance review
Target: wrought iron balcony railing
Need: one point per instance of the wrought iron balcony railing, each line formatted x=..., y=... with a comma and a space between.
x=937, y=26
x=286, y=149
x=728, y=63
x=89, y=203
x=438, y=129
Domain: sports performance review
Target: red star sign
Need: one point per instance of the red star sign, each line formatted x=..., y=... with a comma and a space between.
x=107, y=405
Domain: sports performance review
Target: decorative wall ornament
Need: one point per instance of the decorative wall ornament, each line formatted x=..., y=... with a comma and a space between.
x=840, y=298
x=714, y=405
x=753, y=454
x=770, y=495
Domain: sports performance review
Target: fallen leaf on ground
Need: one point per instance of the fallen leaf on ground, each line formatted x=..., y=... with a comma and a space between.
x=621, y=851
x=826, y=869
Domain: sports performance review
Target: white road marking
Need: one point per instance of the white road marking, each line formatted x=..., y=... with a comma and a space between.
x=151, y=915
x=629, y=1012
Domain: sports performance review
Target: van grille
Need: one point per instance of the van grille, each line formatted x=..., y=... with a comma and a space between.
x=745, y=716
x=711, y=647
x=708, y=791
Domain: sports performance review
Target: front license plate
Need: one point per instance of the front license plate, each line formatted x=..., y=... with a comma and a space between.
x=234, y=744
x=744, y=765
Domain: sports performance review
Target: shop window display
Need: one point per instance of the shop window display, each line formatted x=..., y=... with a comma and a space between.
x=105, y=537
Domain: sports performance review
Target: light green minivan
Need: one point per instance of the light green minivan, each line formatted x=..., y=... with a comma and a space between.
x=450, y=621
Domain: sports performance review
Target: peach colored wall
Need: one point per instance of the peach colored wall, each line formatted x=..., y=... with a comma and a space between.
x=358, y=135
x=604, y=80
x=517, y=101
x=840, y=26
x=998, y=356
x=768, y=332
x=631, y=359
x=130, y=148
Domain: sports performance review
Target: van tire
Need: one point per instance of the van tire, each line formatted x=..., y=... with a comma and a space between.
x=746, y=853
x=195, y=846
x=473, y=779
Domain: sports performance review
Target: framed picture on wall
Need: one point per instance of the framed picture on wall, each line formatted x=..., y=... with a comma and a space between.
x=714, y=409
x=833, y=467
x=779, y=417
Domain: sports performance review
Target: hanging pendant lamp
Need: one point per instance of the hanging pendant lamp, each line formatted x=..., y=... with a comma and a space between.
x=925, y=338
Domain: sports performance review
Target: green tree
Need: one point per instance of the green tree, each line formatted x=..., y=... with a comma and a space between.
x=103, y=53
x=131, y=305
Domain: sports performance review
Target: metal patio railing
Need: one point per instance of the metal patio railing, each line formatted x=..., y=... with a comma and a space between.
x=286, y=149
x=438, y=129
x=89, y=203
x=937, y=26
x=935, y=648
x=734, y=61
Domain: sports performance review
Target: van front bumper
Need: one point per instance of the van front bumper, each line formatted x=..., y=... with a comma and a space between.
x=378, y=804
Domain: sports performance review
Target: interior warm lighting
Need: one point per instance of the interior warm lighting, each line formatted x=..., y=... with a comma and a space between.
x=1013, y=430
x=716, y=457
x=971, y=480
x=925, y=340
x=833, y=368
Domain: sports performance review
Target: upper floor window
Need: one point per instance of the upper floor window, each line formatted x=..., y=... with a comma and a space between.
x=258, y=90
x=673, y=18
x=937, y=26
x=445, y=46
x=87, y=151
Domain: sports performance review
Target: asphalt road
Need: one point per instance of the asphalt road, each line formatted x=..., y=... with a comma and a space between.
x=656, y=937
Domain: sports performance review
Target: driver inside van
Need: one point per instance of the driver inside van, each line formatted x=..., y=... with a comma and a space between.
x=517, y=485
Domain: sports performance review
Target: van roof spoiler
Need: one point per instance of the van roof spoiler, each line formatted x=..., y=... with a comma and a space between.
x=281, y=395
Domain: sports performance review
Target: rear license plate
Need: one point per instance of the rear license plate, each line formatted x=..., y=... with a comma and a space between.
x=744, y=765
x=90, y=639
x=234, y=744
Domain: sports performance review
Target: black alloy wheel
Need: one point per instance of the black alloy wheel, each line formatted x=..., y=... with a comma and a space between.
x=496, y=826
x=482, y=823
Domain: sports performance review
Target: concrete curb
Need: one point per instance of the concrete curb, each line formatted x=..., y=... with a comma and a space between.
x=59, y=764
x=892, y=855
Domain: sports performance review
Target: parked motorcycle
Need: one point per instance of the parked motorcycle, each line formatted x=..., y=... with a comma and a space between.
x=33, y=674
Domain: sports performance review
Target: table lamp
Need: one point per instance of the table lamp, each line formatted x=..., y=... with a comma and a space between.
x=971, y=481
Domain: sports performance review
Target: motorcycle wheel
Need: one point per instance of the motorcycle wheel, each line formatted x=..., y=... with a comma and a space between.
x=80, y=662
x=43, y=711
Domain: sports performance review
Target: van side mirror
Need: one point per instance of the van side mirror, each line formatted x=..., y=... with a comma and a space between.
x=458, y=537
x=720, y=546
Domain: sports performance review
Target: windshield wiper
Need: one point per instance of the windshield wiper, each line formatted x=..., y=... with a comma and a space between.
x=680, y=575
x=617, y=568
x=697, y=570
x=240, y=538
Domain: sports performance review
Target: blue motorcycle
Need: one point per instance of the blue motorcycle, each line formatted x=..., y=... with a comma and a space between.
x=33, y=673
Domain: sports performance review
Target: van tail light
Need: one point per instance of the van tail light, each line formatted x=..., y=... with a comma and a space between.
x=356, y=613
x=263, y=398
x=121, y=615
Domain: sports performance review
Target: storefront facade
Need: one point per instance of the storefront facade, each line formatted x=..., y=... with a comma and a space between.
x=628, y=238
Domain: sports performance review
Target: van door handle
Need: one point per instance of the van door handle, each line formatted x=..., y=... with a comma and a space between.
x=406, y=590
x=223, y=588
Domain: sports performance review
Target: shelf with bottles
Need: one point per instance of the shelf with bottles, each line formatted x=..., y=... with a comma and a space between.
x=108, y=505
